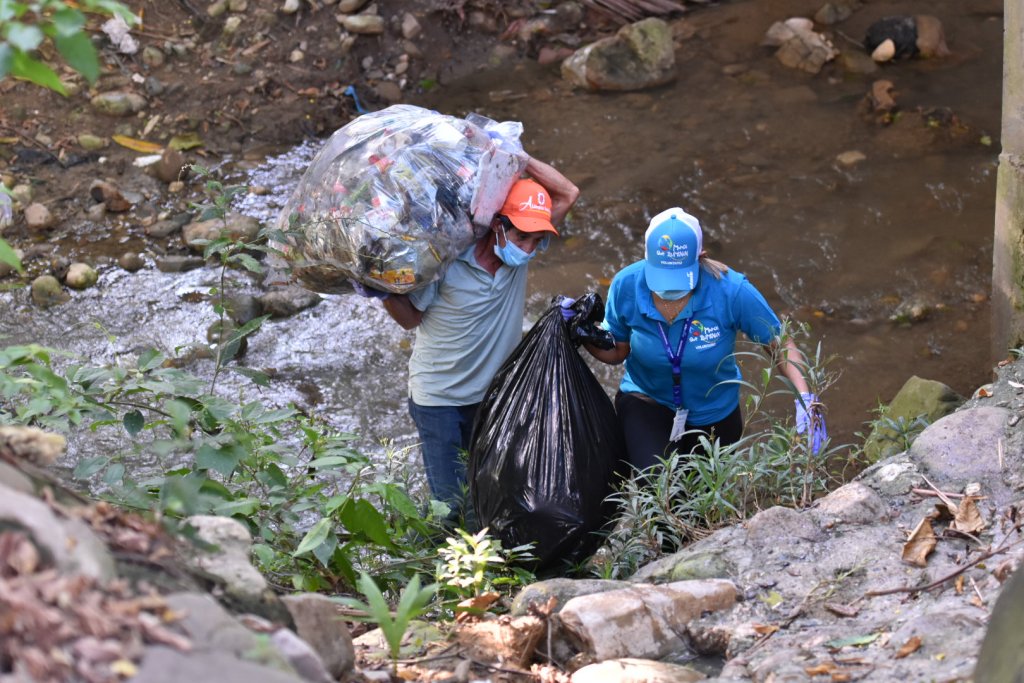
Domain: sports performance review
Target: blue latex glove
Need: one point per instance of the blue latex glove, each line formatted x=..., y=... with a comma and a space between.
x=368, y=292
x=565, y=304
x=810, y=419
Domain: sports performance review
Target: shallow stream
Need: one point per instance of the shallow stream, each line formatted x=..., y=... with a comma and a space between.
x=745, y=144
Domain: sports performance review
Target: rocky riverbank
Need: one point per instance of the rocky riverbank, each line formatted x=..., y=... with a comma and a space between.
x=891, y=576
x=874, y=582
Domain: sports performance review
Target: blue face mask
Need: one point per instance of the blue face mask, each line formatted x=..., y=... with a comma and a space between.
x=672, y=294
x=510, y=254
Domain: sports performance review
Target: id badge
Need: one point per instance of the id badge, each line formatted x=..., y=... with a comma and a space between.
x=679, y=424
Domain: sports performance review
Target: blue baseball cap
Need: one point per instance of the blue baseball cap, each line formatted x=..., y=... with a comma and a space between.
x=673, y=243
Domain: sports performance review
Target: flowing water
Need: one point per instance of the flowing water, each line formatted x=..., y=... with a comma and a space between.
x=748, y=146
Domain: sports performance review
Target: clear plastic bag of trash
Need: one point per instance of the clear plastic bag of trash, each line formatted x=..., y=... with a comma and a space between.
x=395, y=195
x=547, y=447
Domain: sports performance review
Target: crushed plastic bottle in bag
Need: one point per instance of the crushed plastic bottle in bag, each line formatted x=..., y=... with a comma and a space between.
x=395, y=196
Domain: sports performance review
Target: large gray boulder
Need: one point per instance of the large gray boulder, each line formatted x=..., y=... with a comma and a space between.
x=563, y=590
x=234, y=225
x=640, y=55
x=630, y=670
x=164, y=665
x=226, y=559
x=283, y=302
x=967, y=447
x=319, y=622
x=642, y=620
x=917, y=398
x=66, y=544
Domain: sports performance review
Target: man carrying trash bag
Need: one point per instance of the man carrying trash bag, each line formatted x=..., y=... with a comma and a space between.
x=469, y=321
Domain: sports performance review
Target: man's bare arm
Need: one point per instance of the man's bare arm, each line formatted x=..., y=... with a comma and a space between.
x=404, y=313
x=563, y=193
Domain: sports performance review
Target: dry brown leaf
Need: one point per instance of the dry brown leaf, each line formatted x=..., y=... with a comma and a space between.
x=959, y=585
x=1003, y=571
x=765, y=629
x=95, y=650
x=841, y=610
x=841, y=677
x=943, y=512
x=18, y=555
x=471, y=608
x=543, y=609
x=977, y=602
x=130, y=540
x=909, y=647
x=920, y=544
x=820, y=670
x=968, y=518
x=156, y=633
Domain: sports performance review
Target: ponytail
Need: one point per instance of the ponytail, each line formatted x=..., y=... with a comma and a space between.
x=716, y=268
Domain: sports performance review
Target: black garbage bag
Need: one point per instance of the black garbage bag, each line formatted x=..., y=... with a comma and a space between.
x=901, y=30
x=585, y=324
x=545, y=449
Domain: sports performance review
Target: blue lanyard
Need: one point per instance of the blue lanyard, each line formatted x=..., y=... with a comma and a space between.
x=676, y=359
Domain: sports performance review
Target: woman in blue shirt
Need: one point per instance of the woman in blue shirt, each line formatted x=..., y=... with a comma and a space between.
x=674, y=317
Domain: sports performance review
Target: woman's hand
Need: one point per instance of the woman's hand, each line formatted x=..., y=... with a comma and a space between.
x=810, y=420
x=612, y=356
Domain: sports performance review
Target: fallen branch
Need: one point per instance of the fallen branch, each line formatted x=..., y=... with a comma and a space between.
x=942, y=496
x=939, y=494
x=977, y=591
x=938, y=582
x=27, y=139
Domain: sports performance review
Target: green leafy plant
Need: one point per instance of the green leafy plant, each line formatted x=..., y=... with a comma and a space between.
x=9, y=257
x=28, y=27
x=899, y=431
x=471, y=564
x=412, y=603
x=232, y=252
x=271, y=467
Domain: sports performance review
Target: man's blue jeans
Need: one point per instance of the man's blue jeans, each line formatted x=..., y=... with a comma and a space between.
x=444, y=432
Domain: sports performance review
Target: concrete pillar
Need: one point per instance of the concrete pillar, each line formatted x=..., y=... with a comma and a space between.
x=1008, y=249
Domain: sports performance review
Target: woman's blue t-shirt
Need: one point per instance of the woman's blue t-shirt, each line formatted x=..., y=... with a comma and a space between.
x=718, y=308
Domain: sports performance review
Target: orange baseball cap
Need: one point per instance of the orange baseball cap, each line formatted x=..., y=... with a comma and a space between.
x=528, y=206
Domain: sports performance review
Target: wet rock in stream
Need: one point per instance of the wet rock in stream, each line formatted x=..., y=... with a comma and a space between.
x=46, y=292
x=80, y=276
x=639, y=56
